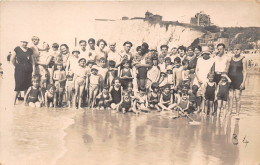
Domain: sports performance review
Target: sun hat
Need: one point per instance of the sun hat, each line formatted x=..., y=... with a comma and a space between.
x=81, y=59
x=75, y=50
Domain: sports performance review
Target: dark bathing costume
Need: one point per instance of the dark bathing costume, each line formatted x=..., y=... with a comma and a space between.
x=235, y=73
x=23, y=69
x=116, y=95
x=210, y=92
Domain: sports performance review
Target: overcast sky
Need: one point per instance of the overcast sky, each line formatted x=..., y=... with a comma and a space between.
x=62, y=21
x=232, y=13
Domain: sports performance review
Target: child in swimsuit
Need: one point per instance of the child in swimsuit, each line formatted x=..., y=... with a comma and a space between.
x=153, y=74
x=80, y=79
x=141, y=102
x=183, y=104
x=222, y=93
x=102, y=71
x=166, y=99
x=50, y=96
x=116, y=93
x=112, y=72
x=126, y=104
x=69, y=88
x=94, y=86
x=209, y=93
x=194, y=99
x=154, y=97
x=126, y=74
x=104, y=99
x=177, y=72
x=33, y=96
x=59, y=77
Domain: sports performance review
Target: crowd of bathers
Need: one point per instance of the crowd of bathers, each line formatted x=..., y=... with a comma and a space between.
x=97, y=76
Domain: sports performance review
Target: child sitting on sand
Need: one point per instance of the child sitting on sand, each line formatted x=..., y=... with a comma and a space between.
x=33, y=96
x=166, y=99
x=59, y=78
x=154, y=97
x=94, y=86
x=222, y=93
x=116, y=91
x=104, y=99
x=141, y=102
x=126, y=103
x=50, y=96
x=183, y=104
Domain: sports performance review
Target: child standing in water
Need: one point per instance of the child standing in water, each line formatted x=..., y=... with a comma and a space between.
x=80, y=79
x=33, y=96
x=59, y=77
x=222, y=93
x=112, y=72
x=177, y=72
x=209, y=94
x=94, y=86
x=50, y=96
x=126, y=74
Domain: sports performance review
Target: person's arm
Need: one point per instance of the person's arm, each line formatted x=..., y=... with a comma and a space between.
x=131, y=71
x=100, y=84
x=46, y=99
x=54, y=100
x=242, y=86
x=216, y=92
x=158, y=76
x=228, y=79
x=26, y=95
x=63, y=76
x=188, y=104
x=99, y=95
x=55, y=76
x=68, y=66
x=13, y=58
x=174, y=77
x=110, y=98
x=120, y=75
x=227, y=65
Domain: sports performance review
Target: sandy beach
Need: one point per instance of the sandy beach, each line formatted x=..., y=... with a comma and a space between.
x=67, y=136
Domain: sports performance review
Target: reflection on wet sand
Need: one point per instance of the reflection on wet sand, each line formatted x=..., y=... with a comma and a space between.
x=108, y=138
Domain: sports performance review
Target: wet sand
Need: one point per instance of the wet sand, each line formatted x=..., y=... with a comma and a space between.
x=68, y=137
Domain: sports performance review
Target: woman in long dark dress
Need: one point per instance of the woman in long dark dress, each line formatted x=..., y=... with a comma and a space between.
x=237, y=74
x=23, y=61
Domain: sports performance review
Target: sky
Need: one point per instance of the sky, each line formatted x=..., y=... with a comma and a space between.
x=59, y=20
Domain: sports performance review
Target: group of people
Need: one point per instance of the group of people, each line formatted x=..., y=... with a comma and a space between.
x=179, y=80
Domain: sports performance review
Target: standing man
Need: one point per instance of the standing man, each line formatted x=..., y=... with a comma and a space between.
x=222, y=61
x=91, y=50
x=164, y=50
x=126, y=54
x=83, y=49
x=112, y=54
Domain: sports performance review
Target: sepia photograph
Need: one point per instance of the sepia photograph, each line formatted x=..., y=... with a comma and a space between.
x=130, y=82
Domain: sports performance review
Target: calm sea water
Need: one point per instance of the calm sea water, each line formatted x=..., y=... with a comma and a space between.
x=65, y=136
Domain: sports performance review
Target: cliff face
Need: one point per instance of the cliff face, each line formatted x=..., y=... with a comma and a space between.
x=138, y=31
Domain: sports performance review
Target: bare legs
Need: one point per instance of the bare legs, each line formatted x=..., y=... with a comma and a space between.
x=237, y=94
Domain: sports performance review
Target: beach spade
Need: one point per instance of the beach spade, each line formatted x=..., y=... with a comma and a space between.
x=192, y=122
